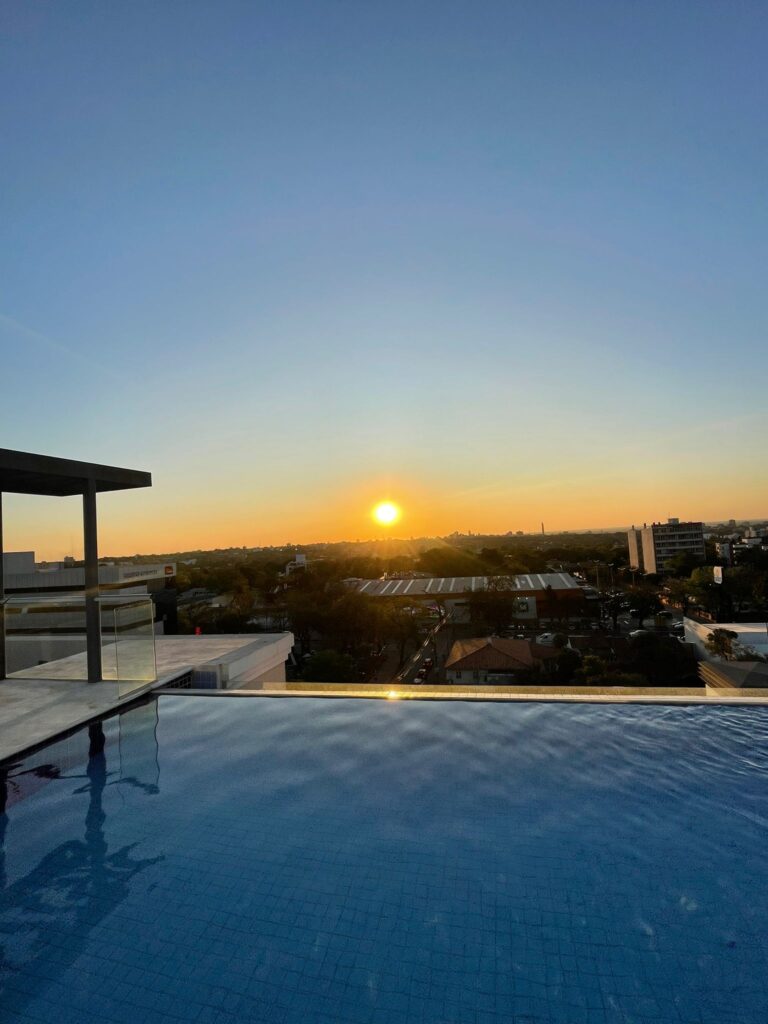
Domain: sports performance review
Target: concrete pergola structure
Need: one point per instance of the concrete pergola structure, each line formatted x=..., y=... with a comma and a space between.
x=24, y=473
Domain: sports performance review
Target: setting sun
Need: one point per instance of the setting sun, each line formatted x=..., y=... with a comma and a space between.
x=386, y=513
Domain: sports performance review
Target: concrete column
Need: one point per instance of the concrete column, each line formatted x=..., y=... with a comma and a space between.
x=2, y=598
x=91, y=553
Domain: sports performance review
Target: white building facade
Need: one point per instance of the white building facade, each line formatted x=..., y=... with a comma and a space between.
x=651, y=548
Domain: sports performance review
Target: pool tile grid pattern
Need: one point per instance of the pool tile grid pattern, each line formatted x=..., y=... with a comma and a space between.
x=219, y=918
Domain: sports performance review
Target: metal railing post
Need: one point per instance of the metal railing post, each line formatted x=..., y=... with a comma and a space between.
x=92, y=614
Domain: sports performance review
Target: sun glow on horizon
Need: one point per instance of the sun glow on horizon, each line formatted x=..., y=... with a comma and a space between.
x=386, y=513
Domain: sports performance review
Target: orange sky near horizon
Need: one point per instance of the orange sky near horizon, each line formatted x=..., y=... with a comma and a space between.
x=161, y=520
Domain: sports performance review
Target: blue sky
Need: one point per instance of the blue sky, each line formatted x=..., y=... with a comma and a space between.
x=502, y=262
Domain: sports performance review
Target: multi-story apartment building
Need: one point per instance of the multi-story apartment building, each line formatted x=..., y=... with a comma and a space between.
x=635, y=543
x=651, y=548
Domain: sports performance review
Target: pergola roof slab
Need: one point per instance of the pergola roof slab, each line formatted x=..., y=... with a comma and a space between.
x=25, y=473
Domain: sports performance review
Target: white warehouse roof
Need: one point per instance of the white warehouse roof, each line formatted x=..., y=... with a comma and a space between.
x=455, y=585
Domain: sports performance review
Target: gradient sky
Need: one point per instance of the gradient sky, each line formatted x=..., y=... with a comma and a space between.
x=503, y=262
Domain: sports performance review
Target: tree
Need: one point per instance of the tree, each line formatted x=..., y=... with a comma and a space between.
x=553, y=606
x=645, y=601
x=720, y=642
x=242, y=596
x=725, y=643
x=705, y=591
x=568, y=664
x=351, y=620
x=745, y=652
x=402, y=627
x=612, y=607
x=305, y=614
x=451, y=561
x=679, y=595
x=681, y=564
x=595, y=671
x=760, y=593
x=747, y=588
x=592, y=670
x=494, y=558
x=493, y=608
x=662, y=660
x=329, y=667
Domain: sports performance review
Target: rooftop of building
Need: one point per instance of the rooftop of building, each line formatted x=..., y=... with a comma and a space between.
x=454, y=585
x=498, y=654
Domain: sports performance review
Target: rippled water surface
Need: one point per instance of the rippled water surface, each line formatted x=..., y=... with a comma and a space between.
x=311, y=860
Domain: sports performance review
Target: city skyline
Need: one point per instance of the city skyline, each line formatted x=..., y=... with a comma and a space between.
x=57, y=530
x=497, y=266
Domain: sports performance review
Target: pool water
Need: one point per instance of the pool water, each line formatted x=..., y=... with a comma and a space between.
x=389, y=862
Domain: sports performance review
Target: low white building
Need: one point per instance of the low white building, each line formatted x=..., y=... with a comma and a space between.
x=750, y=635
x=218, y=661
x=42, y=584
x=247, y=661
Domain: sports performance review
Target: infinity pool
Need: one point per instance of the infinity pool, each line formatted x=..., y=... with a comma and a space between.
x=305, y=860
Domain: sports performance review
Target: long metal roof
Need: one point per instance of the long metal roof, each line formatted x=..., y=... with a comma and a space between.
x=452, y=586
x=25, y=473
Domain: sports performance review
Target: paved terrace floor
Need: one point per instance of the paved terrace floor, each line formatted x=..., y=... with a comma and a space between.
x=34, y=709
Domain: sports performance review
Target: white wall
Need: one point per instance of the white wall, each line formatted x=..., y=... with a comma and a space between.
x=750, y=634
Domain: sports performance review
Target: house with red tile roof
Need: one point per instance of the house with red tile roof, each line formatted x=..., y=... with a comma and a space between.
x=495, y=659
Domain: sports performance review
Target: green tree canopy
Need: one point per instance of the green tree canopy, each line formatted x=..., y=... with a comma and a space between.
x=644, y=600
x=720, y=642
x=329, y=667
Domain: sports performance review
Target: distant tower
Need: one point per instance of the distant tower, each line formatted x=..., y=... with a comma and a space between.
x=542, y=529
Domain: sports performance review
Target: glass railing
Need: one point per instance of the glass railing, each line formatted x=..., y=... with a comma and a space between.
x=45, y=638
x=128, y=639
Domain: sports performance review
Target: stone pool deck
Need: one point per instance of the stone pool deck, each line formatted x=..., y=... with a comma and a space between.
x=34, y=709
